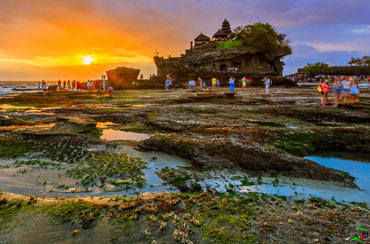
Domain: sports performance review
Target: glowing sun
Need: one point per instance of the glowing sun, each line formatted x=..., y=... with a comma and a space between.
x=86, y=60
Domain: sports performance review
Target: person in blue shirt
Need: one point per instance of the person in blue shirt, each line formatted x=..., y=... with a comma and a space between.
x=232, y=83
x=268, y=83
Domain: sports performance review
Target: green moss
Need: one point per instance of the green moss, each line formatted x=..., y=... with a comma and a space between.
x=9, y=210
x=70, y=211
x=11, y=147
x=346, y=174
x=178, y=179
x=113, y=168
x=226, y=221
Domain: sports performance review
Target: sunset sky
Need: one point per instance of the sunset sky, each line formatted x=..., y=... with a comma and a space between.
x=80, y=39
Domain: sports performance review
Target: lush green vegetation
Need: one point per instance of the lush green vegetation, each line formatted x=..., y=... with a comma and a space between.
x=322, y=68
x=316, y=68
x=230, y=44
x=262, y=36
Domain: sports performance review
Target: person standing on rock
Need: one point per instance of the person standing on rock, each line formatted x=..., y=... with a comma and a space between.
x=268, y=83
x=167, y=84
x=346, y=87
x=232, y=84
x=324, y=92
x=354, y=91
x=244, y=82
x=110, y=91
x=214, y=82
x=337, y=87
x=200, y=82
x=74, y=85
x=170, y=84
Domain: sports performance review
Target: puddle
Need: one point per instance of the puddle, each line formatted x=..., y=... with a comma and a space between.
x=55, y=183
x=298, y=188
x=292, y=127
x=115, y=135
x=104, y=125
x=305, y=188
x=358, y=169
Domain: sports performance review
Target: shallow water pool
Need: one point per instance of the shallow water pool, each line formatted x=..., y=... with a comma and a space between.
x=115, y=135
x=360, y=169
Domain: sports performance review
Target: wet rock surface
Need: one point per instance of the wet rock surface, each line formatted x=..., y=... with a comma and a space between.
x=50, y=147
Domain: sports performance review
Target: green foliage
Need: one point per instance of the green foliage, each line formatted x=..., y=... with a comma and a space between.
x=316, y=68
x=262, y=36
x=365, y=60
x=230, y=44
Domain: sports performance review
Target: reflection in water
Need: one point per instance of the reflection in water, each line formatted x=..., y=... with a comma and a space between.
x=359, y=170
x=114, y=135
x=104, y=125
x=304, y=188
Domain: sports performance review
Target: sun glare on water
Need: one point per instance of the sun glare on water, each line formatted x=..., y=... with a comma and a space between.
x=86, y=60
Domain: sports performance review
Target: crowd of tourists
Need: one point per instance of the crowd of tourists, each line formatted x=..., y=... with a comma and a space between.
x=90, y=86
x=215, y=83
x=345, y=89
x=298, y=77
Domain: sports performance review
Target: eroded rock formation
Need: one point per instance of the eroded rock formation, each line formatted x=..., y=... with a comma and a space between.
x=122, y=77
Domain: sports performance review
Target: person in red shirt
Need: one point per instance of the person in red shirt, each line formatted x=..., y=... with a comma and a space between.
x=324, y=94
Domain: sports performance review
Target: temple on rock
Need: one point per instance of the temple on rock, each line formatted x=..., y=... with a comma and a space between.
x=205, y=58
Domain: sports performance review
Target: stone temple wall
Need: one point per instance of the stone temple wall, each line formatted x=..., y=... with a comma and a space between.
x=208, y=61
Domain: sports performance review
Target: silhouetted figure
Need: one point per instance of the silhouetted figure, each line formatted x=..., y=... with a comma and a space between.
x=43, y=85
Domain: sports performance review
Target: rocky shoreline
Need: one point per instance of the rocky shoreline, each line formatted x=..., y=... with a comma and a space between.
x=51, y=145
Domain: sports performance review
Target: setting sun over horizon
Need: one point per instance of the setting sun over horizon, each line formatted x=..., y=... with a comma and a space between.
x=87, y=60
x=43, y=39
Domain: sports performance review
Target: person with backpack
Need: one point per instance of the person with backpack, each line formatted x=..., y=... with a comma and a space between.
x=354, y=92
x=324, y=92
x=337, y=87
x=345, y=91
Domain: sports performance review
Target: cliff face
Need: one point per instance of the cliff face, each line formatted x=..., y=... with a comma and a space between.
x=122, y=77
x=206, y=60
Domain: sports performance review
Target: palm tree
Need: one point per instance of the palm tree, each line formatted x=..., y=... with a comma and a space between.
x=366, y=60
x=352, y=61
x=358, y=61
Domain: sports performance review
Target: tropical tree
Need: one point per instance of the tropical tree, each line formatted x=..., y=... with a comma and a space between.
x=316, y=68
x=358, y=61
x=262, y=36
x=366, y=60
x=352, y=61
